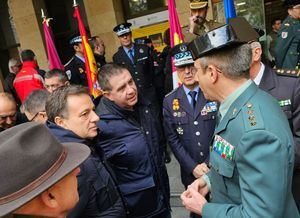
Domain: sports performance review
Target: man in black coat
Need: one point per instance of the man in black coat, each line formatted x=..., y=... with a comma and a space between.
x=131, y=142
x=284, y=85
x=71, y=118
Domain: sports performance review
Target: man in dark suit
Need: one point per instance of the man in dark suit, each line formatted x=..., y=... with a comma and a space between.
x=138, y=60
x=284, y=85
x=189, y=119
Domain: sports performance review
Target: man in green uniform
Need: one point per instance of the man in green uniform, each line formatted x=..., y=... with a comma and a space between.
x=252, y=154
x=287, y=48
x=198, y=23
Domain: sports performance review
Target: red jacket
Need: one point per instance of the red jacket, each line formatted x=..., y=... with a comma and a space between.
x=28, y=80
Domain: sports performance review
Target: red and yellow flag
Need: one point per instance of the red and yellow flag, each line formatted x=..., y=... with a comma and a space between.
x=90, y=62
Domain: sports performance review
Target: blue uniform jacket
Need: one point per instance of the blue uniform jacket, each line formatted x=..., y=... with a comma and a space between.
x=136, y=157
x=75, y=69
x=98, y=194
x=189, y=132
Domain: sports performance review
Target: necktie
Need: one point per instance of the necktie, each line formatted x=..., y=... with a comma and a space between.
x=193, y=96
x=130, y=53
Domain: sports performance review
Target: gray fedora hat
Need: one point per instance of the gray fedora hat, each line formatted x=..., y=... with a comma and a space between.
x=31, y=161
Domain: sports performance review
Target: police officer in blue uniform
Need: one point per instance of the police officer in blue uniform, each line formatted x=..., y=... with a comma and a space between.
x=137, y=59
x=75, y=68
x=252, y=156
x=287, y=48
x=189, y=119
x=284, y=85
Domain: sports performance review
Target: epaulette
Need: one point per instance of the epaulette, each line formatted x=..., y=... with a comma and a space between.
x=252, y=117
x=287, y=72
x=69, y=61
x=171, y=92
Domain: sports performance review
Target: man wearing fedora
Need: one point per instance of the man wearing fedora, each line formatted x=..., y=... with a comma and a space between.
x=71, y=118
x=198, y=23
x=38, y=174
x=252, y=155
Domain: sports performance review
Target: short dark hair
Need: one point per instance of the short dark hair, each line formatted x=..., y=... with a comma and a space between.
x=27, y=55
x=63, y=77
x=106, y=72
x=56, y=104
x=273, y=21
x=35, y=101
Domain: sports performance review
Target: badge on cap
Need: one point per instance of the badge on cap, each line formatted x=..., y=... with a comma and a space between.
x=183, y=48
x=141, y=51
x=121, y=26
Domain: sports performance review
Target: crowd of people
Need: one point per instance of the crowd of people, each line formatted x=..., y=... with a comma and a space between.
x=233, y=125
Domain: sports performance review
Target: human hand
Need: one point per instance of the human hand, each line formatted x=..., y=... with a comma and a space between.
x=193, y=200
x=200, y=186
x=200, y=170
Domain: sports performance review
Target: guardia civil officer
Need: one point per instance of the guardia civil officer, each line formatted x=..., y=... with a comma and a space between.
x=198, y=21
x=252, y=155
x=287, y=48
x=284, y=85
x=137, y=59
x=189, y=119
x=75, y=68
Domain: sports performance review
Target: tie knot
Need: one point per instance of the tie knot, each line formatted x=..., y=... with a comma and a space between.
x=193, y=94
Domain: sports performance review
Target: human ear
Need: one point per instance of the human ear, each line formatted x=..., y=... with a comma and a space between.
x=60, y=122
x=49, y=199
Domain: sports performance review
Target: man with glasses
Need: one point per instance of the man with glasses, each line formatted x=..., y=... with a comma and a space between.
x=287, y=48
x=55, y=79
x=8, y=111
x=189, y=119
x=34, y=106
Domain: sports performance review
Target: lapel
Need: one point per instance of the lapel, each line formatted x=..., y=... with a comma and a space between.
x=267, y=82
x=236, y=106
x=184, y=102
x=201, y=102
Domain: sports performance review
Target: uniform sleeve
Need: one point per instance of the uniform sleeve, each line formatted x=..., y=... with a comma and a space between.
x=296, y=120
x=283, y=42
x=263, y=164
x=183, y=157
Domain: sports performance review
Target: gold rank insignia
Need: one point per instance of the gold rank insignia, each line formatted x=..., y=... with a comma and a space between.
x=80, y=70
x=176, y=104
x=251, y=117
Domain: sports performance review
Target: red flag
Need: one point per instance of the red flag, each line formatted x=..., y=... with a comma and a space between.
x=176, y=35
x=53, y=58
x=90, y=62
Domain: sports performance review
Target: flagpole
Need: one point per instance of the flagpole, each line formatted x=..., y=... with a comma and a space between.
x=43, y=14
x=75, y=4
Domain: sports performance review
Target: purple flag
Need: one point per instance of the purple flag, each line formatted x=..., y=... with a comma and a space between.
x=53, y=58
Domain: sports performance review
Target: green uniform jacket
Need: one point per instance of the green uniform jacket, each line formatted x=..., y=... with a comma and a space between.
x=287, y=48
x=252, y=161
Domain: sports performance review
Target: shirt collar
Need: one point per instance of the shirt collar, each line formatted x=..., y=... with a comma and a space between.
x=224, y=107
x=186, y=90
x=260, y=74
x=81, y=58
x=127, y=49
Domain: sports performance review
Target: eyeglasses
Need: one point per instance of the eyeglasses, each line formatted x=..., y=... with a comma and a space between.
x=10, y=116
x=32, y=119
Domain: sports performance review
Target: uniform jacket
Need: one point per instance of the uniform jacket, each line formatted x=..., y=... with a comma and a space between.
x=252, y=160
x=98, y=194
x=189, y=132
x=28, y=80
x=75, y=69
x=136, y=157
x=142, y=70
x=287, y=48
x=286, y=89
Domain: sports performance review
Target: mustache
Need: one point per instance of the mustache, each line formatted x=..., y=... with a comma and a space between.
x=199, y=19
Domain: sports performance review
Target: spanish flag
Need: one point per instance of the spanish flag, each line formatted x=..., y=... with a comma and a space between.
x=90, y=62
x=176, y=36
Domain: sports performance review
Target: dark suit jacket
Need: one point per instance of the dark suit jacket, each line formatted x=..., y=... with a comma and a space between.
x=284, y=87
x=188, y=134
